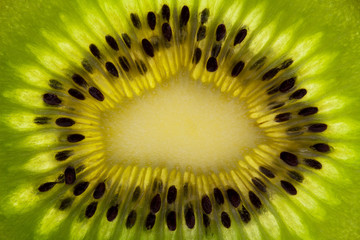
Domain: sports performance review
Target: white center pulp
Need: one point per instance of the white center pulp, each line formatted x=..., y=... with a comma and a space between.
x=181, y=123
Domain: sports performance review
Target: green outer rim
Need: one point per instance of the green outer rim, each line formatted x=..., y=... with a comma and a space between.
x=340, y=18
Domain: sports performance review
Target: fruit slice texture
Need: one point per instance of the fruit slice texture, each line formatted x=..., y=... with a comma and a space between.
x=179, y=120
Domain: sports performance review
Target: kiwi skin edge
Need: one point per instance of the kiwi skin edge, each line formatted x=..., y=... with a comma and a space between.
x=340, y=20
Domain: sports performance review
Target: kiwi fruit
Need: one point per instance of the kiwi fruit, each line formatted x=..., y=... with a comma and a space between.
x=185, y=119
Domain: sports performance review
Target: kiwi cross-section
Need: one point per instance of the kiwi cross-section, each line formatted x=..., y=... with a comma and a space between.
x=180, y=120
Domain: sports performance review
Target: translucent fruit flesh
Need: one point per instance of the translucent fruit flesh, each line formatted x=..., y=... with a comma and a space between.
x=331, y=75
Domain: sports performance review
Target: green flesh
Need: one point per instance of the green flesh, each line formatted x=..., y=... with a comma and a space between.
x=337, y=59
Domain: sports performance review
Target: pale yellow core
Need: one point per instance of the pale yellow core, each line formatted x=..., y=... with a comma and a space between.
x=182, y=123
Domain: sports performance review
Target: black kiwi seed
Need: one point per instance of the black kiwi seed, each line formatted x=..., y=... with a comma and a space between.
x=51, y=99
x=131, y=219
x=215, y=50
x=204, y=16
x=155, y=41
x=171, y=195
x=239, y=66
x=272, y=90
x=282, y=117
x=189, y=217
x=225, y=220
x=73, y=138
x=275, y=105
x=240, y=36
x=148, y=48
x=186, y=189
x=79, y=80
x=266, y=172
x=234, y=197
x=126, y=39
x=112, y=42
x=95, y=93
x=160, y=185
x=295, y=131
x=151, y=19
x=63, y=155
x=112, y=213
x=289, y=158
x=55, y=84
x=219, y=197
x=259, y=184
x=270, y=74
x=258, y=64
x=61, y=178
x=288, y=187
x=76, y=94
x=255, y=200
x=206, y=204
x=110, y=67
x=201, y=33
x=124, y=63
x=286, y=85
x=80, y=168
x=65, y=203
x=94, y=50
x=287, y=63
x=308, y=111
x=135, y=20
x=171, y=220
x=318, y=127
x=220, y=32
x=313, y=163
x=138, y=66
x=296, y=176
x=155, y=184
x=141, y=67
x=70, y=175
x=165, y=12
x=244, y=215
x=166, y=31
x=184, y=16
x=321, y=147
x=91, y=209
x=80, y=188
x=155, y=204
x=206, y=220
x=197, y=55
x=46, y=186
x=64, y=122
x=212, y=64
x=41, y=120
x=136, y=194
x=99, y=190
x=86, y=65
x=150, y=221
x=298, y=94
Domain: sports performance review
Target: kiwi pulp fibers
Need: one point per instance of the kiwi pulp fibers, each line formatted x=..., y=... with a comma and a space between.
x=183, y=120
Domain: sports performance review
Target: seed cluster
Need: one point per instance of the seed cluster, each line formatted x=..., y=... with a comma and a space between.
x=221, y=201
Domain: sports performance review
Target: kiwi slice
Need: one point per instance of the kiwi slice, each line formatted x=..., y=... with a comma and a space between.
x=179, y=120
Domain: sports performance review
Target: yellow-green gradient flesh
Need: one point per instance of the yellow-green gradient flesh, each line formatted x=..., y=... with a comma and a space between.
x=139, y=135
